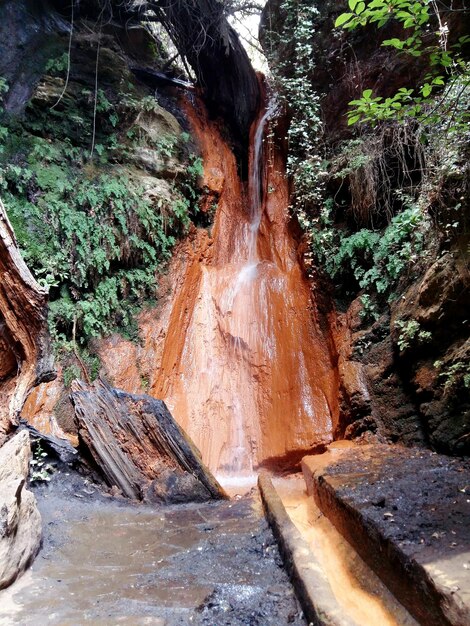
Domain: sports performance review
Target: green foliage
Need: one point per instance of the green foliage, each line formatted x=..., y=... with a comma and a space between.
x=98, y=242
x=144, y=382
x=376, y=260
x=78, y=363
x=90, y=234
x=454, y=374
x=410, y=332
x=3, y=129
x=369, y=309
x=58, y=65
x=40, y=469
x=3, y=87
x=71, y=373
x=304, y=163
x=410, y=13
x=425, y=33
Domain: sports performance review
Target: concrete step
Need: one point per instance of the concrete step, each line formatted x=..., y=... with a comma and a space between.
x=333, y=583
x=310, y=582
x=407, y=514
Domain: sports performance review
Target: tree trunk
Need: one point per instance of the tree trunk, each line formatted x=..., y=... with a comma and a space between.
x=138, y=447
x=206, y=41
x=25, y=352
x=203, y=36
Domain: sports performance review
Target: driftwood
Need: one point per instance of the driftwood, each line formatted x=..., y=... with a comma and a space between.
x=25, y=352
x=138, y=446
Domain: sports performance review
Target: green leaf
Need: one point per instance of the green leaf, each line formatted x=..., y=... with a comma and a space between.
x=360, y=8
x=352, y=4
x=343, y=18
x=367, y=94
x=353, y=119
x=426, y=90
x=396, y=43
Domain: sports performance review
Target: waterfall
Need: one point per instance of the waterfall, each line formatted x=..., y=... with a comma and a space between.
x=245, y=368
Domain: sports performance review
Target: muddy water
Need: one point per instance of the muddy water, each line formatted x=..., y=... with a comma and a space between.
x=245, y=367
x=110, y=563
x=358, y=590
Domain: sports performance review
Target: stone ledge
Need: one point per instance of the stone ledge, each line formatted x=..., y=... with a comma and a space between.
x=310, y=582
x=407, y=514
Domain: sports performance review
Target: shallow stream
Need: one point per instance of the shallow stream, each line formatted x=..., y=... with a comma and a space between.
x=110, y=562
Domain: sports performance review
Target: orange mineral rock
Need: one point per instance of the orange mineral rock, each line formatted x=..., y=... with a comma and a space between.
x=245, y=367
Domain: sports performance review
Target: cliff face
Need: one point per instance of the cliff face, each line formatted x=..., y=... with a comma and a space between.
x=240, y=314
x=403, y=360
x=236, y=321
x=239, y=350
x=29, y=35
x=132, y=194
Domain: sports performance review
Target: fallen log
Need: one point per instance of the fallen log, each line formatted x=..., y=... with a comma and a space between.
x=25, y=351
x=138, y=447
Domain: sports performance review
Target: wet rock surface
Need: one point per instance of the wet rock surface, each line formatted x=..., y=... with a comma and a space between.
x=243, y=317
x=105, y=561
x=407, y=513
x=20, y=521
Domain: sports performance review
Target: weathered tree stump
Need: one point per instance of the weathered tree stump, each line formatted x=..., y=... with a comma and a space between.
x=25, y=352
x=138, y=446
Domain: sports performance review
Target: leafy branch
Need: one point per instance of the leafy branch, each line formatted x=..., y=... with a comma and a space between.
x=418, y=19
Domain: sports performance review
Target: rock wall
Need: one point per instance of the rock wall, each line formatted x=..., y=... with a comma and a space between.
x=360, y=383
x=26, y=26
x=418, y=394
x=20, y=521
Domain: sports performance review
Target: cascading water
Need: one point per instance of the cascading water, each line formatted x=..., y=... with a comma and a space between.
x=245, y=368
x=243, y=325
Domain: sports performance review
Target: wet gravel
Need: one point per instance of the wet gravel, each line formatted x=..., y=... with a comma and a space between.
x=107, y=561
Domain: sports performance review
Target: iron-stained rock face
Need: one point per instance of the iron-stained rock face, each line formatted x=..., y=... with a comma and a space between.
x=20, y=521
x=246, y=366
